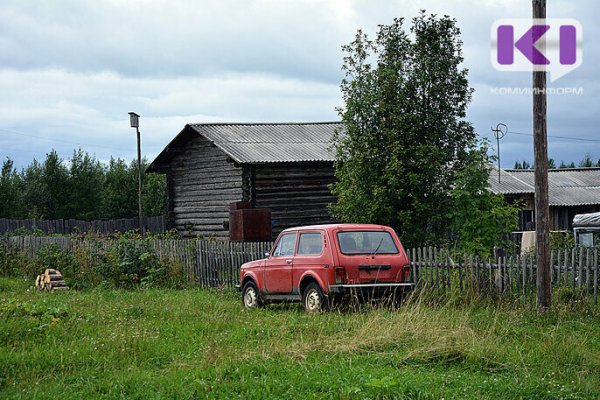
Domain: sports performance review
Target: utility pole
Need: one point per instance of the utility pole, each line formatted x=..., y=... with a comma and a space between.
x=540, y=146
x=134, y=122
x=499, y=133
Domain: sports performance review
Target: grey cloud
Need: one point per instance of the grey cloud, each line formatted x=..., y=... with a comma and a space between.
x=72, y=69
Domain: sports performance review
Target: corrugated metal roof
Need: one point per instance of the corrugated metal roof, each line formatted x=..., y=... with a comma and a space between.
x=273, y=142
x=567, y=187
x=509, y=183
x=253, y=143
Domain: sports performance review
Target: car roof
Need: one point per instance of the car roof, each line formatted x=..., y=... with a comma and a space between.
x=332, y=227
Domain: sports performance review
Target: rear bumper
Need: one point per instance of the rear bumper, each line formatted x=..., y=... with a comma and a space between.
x=238, y=288
x=369, y=287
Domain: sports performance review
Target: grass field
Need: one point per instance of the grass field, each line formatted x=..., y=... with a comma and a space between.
x=199, y=344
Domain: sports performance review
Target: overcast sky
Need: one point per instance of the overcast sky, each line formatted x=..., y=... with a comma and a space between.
x=71, y=70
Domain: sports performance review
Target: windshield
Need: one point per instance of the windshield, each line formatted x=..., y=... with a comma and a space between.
x=366, y=242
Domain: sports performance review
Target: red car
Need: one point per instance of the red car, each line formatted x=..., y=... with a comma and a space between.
x=315, y=264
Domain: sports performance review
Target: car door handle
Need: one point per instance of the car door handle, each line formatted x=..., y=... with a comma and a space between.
x=288, y=261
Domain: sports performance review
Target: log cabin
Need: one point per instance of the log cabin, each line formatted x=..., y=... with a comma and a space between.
x=284, y=167
x=571, y=191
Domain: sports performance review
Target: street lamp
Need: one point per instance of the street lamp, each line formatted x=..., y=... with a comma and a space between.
x=134, y=121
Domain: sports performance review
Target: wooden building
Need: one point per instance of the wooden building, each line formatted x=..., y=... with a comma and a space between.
x=571, y=191
x=285, y=167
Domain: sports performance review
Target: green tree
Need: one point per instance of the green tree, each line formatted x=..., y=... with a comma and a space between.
x=34, y=191
x=55, y=180
x=406, y=136
x=479, y=218
x=82, y=188
x=587, y=161
x=154, y=197
x=120, y=190
x=86, y=177
x=11, y=201
x=551, y=163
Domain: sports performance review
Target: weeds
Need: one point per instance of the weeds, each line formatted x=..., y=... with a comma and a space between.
x=129, y=262
x=163, y=343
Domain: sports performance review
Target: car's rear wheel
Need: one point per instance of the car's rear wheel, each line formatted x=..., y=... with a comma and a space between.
x=313, y=299
x=250, y=296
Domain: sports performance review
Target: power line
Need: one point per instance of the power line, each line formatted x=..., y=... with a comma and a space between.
x=559, y=137
x=11, y=131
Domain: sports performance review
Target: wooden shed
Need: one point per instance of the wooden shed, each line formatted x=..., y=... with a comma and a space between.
x=285, y=167
x=571, y=191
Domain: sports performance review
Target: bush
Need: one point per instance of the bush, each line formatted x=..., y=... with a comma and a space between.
x=128, y=262
x=13, y=262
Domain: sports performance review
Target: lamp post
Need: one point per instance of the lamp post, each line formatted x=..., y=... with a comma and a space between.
x=134, y=121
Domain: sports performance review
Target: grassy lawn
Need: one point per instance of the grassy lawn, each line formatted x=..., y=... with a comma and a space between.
x=199, y=344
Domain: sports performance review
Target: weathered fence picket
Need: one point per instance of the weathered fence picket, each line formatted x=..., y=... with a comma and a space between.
x=74, y=226
x=215, y=263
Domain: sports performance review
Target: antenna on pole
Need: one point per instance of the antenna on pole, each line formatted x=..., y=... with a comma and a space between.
x=499, y=133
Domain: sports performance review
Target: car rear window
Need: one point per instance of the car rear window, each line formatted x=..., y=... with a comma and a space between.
x=366, y=242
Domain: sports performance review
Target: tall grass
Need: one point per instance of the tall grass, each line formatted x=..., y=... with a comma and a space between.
x=201, y=343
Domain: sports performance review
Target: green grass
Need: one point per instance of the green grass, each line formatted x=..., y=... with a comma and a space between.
x=202, y=344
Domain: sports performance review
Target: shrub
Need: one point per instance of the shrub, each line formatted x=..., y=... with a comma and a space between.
x=128, y=262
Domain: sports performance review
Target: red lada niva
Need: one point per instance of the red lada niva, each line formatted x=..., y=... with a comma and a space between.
x=319, y=263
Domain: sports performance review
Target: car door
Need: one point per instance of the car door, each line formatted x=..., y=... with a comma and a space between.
x=310, y=257
x=279, y=266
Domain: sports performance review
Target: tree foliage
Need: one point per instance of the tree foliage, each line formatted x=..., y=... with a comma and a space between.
x=80, y=188
x=406, y=143
x=478, y=217
x=10, y=190
x=586, y=162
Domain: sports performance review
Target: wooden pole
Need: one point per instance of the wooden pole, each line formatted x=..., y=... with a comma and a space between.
x=540, y=144
x=139, y=163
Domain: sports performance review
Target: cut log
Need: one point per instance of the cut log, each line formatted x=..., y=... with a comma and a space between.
x=53, y=277
x=51, y=280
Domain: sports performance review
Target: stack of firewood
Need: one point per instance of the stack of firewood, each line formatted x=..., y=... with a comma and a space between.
x=50, y=280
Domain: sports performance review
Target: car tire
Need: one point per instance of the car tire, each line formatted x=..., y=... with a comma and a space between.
x=313, y=299
x=250, y=296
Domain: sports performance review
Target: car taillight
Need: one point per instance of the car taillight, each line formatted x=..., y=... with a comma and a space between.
x=407, y=273
x=340, y=275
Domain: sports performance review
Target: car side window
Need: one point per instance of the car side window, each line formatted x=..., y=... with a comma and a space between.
x=285, y=246
x=310, y=244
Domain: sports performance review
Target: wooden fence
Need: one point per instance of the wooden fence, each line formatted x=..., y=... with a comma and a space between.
x=210, y=263
x=215, y=263
x=515, y=276
x=69, y=226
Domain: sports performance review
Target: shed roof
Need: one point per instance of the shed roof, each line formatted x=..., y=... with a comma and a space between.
x=253, y=143
x=567, y=187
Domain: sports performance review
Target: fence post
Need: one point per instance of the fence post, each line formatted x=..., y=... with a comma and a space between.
x=587, y=272
x=595, y=276
x=524, y=283
x=551, y=267
x=566, y=262
x=580, y=268
x=413, y=265
x=460, y=271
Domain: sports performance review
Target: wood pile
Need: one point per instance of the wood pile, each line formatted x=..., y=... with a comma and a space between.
x=50, y=280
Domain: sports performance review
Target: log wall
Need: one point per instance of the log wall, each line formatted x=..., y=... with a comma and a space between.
x=296, y=193
x=202, y=181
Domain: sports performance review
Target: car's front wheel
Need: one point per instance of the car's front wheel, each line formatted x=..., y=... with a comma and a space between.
x=313, y=299
x=250, y=296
